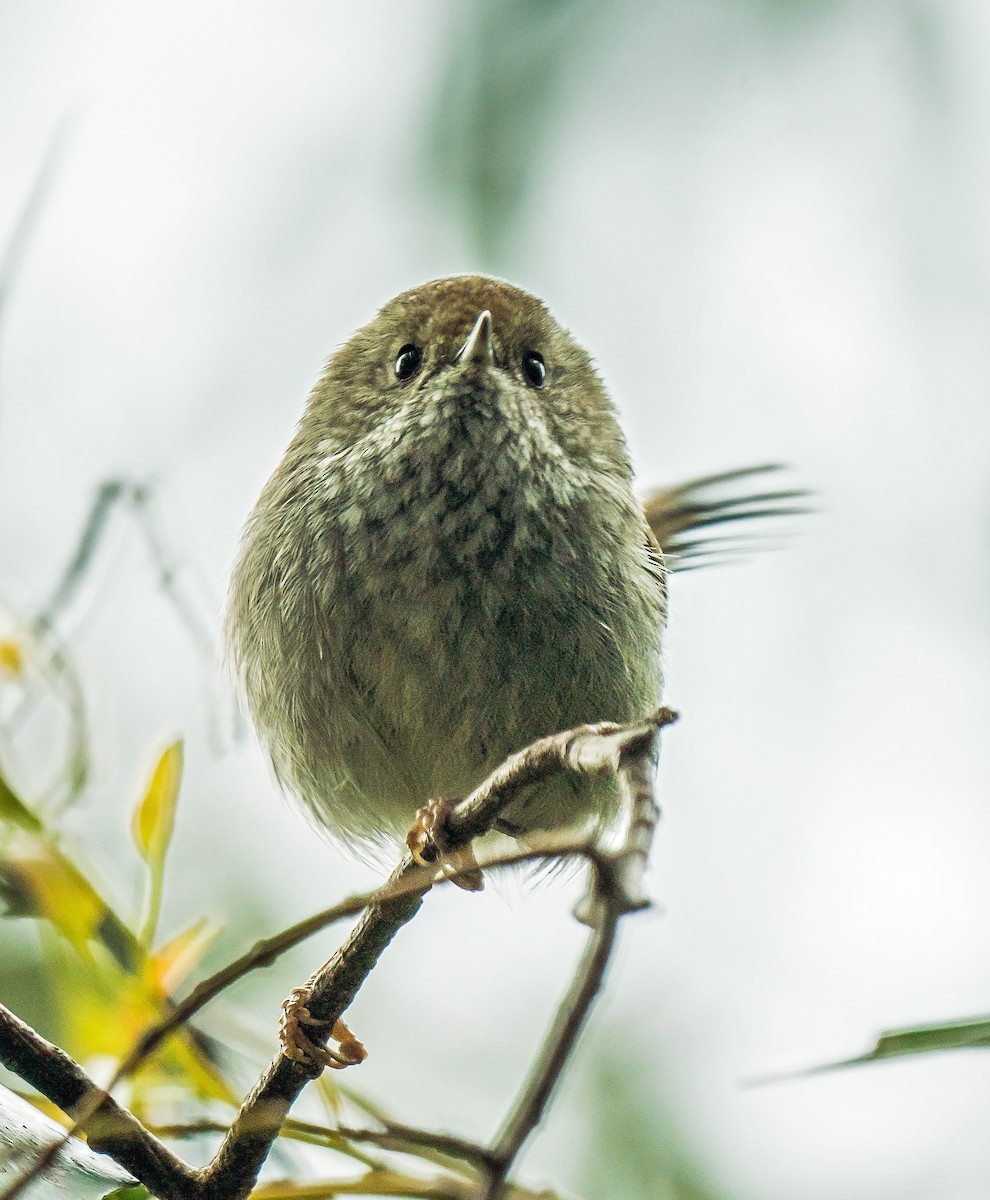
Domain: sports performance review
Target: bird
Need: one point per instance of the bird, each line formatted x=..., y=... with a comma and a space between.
x=450, y=562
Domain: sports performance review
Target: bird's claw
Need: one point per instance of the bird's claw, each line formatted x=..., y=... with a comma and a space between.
x=428, y=844
x=298, y=1046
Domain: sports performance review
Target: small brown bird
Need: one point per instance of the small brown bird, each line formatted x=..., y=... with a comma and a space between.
x=450, y=562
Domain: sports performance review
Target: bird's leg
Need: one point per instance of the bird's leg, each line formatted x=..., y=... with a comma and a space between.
x=428, y=844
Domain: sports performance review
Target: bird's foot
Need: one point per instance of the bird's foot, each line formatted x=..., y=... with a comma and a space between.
x=301, y=1048
x=428, y=844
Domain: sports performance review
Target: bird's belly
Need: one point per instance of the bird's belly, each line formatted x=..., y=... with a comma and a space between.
x=444, y=681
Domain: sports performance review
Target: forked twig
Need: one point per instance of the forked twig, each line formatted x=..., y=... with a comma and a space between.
x=54, y=1074
x=184, y=591
x=616, y=889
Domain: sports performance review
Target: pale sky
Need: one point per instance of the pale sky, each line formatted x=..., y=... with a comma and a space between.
x=776, y=241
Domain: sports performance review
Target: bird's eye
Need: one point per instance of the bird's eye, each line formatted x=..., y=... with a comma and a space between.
x=407, y=362
x=534, y=369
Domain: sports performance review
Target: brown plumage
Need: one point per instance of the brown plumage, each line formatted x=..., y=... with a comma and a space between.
x=448, y=563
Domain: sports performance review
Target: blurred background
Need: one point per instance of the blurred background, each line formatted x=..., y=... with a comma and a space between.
x=770, y=221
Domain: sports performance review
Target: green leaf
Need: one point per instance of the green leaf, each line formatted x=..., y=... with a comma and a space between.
x=924, y=1039
x=496, y=113
x=38, y=879
x=971, y=1034
x=15, y=811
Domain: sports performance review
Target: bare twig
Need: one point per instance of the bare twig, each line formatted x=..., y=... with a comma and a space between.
x=571, y=1017
x=237, y=1162
x=92, y=1103
x=616, y=888
x=637, y=780
x=186, y=594
x=301, y=1131
x=629, y=750
x=27, y=220
x=53, y=1073
x=406, y=1138
x=56, y=1076
x=374, y=1183
x=141, y=500
x=589, y=749
x=108, y=496
x=266, y=951
x=443, y=1149
x=586, y=750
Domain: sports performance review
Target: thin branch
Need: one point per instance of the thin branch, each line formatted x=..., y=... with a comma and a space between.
x=141, y=500
x=400, y=1137
x=42, y=626
x=110, y=1127
x=374, y=1183
x=236, y=1164
x=588, y=749
x=637, y=779
x=266, y=951
x=300, y=1131
x=262, y=954
x=390, y=1183
x=230, y=1176
x=188, y=601
x=442, y=1149
x=27, y=220
x=616, y=888
x=571, y=1018
x=108, y=495
x=171, y=568
x=56, y=1076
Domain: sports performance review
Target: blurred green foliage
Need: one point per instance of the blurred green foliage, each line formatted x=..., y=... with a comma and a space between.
x=501, y=93
x=632, y=1148
x=515, y=69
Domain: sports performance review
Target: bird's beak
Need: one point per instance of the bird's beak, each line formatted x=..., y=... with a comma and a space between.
x=478, y=349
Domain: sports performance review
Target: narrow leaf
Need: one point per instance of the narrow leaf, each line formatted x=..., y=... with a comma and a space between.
x=972, y=1034
x=152, y=826
x=154, y=817
x=171, y=963
x=923, y=1039
x=51, y=887
x=15, y=811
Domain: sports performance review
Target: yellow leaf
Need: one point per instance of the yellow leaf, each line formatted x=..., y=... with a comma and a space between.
x=171, y=963
x=56, y=890
x=11, y=658
x=104, y=1012
x=154, y=817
